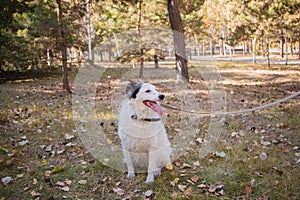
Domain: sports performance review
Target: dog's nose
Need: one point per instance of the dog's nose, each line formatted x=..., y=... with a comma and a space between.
x=161, y=96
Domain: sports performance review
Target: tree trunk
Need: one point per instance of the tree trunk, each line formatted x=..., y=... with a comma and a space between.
x=286, y=45
x=89, y=31
x=268, y=50
x=141, y=59
x=179, y=43
x=281, y=42
x=244, y=44
x=156, y=61
x=299, y=44
x=292, y=51
x=264, y=49
x=141, y=63
x=63, y=47
x=254, y=50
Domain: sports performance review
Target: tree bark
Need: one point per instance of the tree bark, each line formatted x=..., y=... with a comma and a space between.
x=63, y=47
x=156, y=61
x=268, y=50
x=141, y=59
x=299, y=44
x=254, y=50
x=89, y=31
x=179, y=43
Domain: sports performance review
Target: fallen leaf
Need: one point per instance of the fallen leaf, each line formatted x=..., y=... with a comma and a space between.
x=248, y=190
x=280, y=125
x=295, y=148
x=178, y=164
x=279, y=171
x=68, y=182
x=69, y=137
x=221, y=192
x=199, y=141
x=34, y=182
x=6, y=180
x=109, y=141
x=172, y=183
x=119, y=191
x=263, y=156
x=197, y=164
x=23, y=143
x=221, y=154
x=36, y=107
x=188, y=192
x=186, y=166
x=4, y=149
x=211, y=189
x=47, y=173
x=201, y=186
x=9, y=163
x=181, y=187
x=61, y=151
x=83, y=162
x=65, y=189
x=82, y=182
x=265, y=143
x=176, y=180
x=269, y=117
x=44, y=161
x=57, y=169
x=149, y=193
x=60, y=183
x=20, y=175
x=233, y=134
x=35, y=194
x=169, y=166
x=219, y=187
x=195, y=178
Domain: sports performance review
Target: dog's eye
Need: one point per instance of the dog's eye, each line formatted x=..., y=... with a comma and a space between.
x=148, y=91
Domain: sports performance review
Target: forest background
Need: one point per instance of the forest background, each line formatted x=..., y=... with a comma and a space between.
x=256, y=155
x=29, y=31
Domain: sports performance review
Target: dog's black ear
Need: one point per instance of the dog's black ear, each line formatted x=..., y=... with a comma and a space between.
x=136, y=90
x=130, y=87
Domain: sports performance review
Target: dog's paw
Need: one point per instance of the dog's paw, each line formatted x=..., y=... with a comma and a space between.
x=150, y=178
x=130, y=175
x=157, y=172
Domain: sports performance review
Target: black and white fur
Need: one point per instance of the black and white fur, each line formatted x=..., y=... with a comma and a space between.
x=142, y=133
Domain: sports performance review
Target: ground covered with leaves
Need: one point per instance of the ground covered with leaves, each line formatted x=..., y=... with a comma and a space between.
x=256, y=156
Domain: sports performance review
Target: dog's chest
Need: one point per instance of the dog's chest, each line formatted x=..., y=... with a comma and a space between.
x=138, y=145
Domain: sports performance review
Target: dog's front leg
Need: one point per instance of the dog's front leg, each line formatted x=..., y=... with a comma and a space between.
x=152, y=168
x=129, y=162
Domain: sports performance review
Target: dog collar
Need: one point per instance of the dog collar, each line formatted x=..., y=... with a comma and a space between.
x=135, y=117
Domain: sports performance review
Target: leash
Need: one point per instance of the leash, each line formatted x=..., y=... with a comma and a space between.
x=237, y=111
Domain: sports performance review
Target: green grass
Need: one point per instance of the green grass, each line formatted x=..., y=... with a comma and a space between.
x=38, y=111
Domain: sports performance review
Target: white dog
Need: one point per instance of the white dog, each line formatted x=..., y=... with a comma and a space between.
x=143, y=135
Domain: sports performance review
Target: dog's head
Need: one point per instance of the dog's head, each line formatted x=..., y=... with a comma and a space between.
x=147, y=94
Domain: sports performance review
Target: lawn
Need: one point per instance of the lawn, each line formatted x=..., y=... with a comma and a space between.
x=59, y=146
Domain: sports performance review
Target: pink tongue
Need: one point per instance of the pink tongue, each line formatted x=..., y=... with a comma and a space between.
x=155, y=107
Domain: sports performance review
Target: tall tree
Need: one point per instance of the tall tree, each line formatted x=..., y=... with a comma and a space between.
x=63, y=46
x=179, y=40
x=141, y=59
